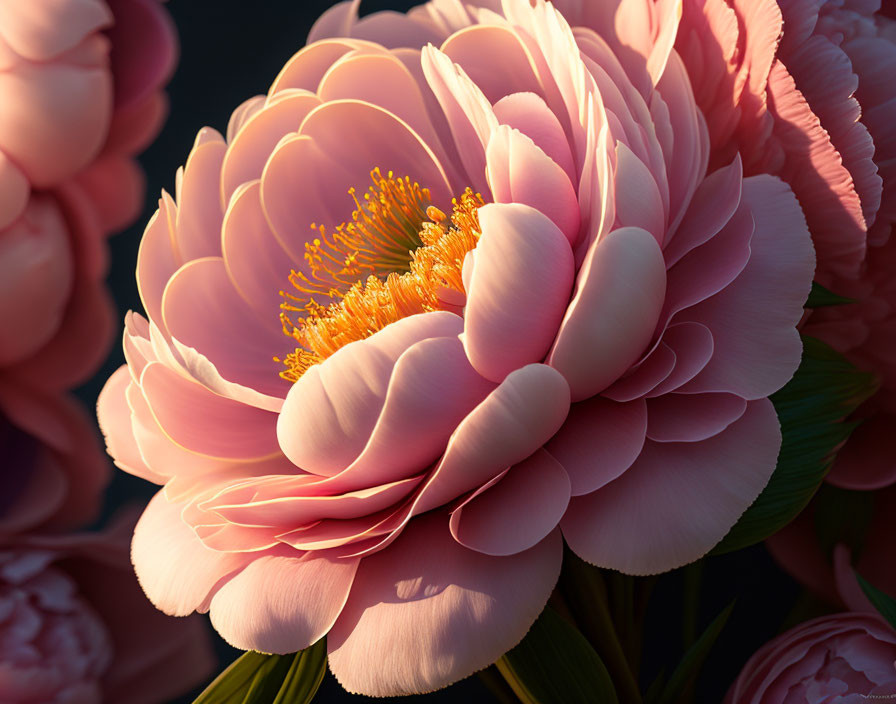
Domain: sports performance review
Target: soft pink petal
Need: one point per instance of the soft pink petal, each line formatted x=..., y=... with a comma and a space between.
x=528, y=113
x=599, y=441
x=753, y=320
x=517, y=418
x=470, y=116
x=693, y=346
x=158, y=257
x=280, y=603
x=114, y=416
x=638, y=200
x=256, y=262
x=307, y=66
x=426, y=582
x=193, y=417
x=678, y=500
x=202, y=309
x=199, y=212
x=518, y=290
x=516, y=513
x=249, y=150
x=495, y=59
x=177, y=572
x=520, y=172
x=40, y=32
x=691, y=417
x=432, y=389
x=331, y=410
x=612, y=317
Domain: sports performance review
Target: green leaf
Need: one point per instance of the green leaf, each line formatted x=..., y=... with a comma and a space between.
x=842, y=516
x=555, y=664
x=689, y=667
x=884, y=603
x=820, y=297
x=811, y=407
x=256, y=678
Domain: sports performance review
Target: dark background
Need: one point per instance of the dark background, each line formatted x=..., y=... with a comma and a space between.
x=232, y=50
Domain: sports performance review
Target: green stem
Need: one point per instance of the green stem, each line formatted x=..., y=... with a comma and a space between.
x=585, y=593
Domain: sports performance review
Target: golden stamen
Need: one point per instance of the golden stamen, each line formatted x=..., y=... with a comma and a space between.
x=394, y=287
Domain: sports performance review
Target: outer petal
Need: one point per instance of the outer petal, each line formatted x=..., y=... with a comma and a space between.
x=753, y=320
x=280, y=603
x=615, y=310
x=678, y=499
x=518, y=290
x=516, y=513
x=415, y=602
x=691, y=417
x=599, y=441
x=177, y=572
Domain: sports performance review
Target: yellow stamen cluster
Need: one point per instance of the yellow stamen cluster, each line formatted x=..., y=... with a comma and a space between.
x=370, y=280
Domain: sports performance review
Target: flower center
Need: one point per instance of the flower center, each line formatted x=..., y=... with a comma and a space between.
x=398, y=256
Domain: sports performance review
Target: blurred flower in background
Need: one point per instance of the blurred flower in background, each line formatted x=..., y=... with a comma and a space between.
x=847, y=658
x=81, y=86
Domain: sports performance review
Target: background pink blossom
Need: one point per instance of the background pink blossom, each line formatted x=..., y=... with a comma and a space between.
x=847, y=657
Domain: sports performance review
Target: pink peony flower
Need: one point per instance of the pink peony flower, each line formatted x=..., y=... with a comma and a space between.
x=75, y=627
x=80, y=80
x=846, y=658
x=53, y=469
x=543, y=316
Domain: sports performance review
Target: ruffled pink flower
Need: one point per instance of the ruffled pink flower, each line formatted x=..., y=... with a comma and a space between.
x=599, y=364
x=80, y=81
x=75, y=627
x=842, y=658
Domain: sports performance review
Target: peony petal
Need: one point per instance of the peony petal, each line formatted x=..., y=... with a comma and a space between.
x=199, y=212
x=428, y=583
x=249, y=149
x=638, y=200
x=518, y=290
x=678, y=500
x=332, y=409
x=515, y=420
x=192, y=416
x=202, y=310
x=599, y=441
x=470, y=116
x=520, y=172
x=517, y=512
x=177, y=572
x=753, y=320
x=693, y=346
x=528, y=113
x=612, y=317
x=281, y=604
x=256, y=262
x=114, y=416
x=691, y=417
x=432, y=388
